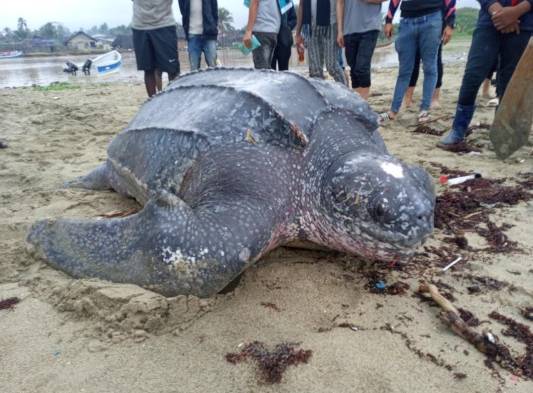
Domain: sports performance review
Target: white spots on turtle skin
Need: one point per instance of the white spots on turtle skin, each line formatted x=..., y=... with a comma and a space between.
x=244, y=255
x=395, y=170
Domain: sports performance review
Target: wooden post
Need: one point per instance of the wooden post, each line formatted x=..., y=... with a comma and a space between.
x=512, y=123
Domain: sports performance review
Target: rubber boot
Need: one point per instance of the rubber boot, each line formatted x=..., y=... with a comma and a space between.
x=463, y=117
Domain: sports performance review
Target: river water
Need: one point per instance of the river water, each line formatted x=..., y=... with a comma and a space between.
x=28, y=71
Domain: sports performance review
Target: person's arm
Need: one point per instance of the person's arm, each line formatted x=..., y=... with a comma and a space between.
x=299, y=39
x=507, y=18
x=340, y=23
x=393, y=6
x=252, y=16
x=449, y=20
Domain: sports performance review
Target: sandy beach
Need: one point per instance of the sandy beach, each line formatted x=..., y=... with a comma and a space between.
x=68, y=335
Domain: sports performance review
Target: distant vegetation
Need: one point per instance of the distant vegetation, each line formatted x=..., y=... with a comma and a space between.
x=465, y=21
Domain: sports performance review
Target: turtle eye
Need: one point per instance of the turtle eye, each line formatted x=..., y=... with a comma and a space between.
x=381, y=212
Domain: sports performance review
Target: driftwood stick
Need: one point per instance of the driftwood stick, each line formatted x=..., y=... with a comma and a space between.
x=486, y=342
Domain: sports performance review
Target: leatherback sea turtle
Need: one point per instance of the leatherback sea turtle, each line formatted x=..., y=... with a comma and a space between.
x=232, y=163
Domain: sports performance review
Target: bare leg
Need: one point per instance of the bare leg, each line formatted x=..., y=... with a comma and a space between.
x=435, y=102
x=159, y=80
x=150, y=82
x=408, y=99
x=364, y=92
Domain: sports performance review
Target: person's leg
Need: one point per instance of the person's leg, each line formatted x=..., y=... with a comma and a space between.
x=165, y=43
x=435, y=101
x=274, y=62
x=406, y=44
x=194, y=47
x=262, y=56
x=159, y=80
x=284, y=56
x=429, y=38
x=363, y=64
x=316, y=63
x=144, y=55
x=351, y=45
x=482, y=55
x=408, y=99
x=150, y=82
x=210, y=52
x=331, y=55
x=511, y=48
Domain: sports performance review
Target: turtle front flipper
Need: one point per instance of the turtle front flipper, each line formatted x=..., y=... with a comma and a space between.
x=167, y=247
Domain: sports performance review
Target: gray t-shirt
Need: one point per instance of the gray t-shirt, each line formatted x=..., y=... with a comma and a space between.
x=152, y=14
x=332, y=13
x=360, y=16
x=196, y=21
x=268, y=17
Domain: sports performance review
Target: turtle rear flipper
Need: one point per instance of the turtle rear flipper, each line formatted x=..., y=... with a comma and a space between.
x=165, y=248
x=97, y=179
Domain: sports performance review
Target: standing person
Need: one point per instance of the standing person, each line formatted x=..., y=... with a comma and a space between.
x=359, y=24
x=200, y=23
x=264, y=22
x=420, y=29
x=449, y=23
x=155, y=40
x=317, y=24
x=283, y=51
x=503, y=31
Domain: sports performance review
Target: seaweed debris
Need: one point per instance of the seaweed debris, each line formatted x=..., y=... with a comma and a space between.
x=424, y=129
x=273, y=306
x=9, y=303
x=271, y=364
x=466, y=207
x=522, y=364
x=527, y=313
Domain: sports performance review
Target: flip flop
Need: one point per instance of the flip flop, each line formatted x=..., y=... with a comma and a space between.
x=423, y=117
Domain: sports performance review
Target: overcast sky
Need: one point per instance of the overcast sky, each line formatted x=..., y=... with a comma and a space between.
x=86, y=13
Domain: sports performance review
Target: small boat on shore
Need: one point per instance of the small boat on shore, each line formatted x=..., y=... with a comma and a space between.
x=105, y=64
x=11, y=54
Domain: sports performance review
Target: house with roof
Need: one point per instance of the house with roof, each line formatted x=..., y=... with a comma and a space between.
x=81, y=41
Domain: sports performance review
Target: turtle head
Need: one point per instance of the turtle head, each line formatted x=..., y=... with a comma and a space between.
x=381, y=208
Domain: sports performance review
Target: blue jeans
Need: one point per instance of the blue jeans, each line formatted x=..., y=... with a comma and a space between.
x=423, y=34
x=198, y=44
x=490, y=47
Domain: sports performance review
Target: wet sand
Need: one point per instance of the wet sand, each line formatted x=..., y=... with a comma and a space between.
x=71, y=335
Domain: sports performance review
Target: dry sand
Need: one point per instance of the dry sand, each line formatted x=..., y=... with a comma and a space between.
x=92, y=336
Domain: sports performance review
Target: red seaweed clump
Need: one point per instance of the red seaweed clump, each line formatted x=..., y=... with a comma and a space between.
x=9, y=303
x=466, y=207
x=271, y=364
x=523, y=364
x=425, y=129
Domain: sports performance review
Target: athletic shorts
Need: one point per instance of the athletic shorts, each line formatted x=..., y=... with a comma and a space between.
x=157, y=49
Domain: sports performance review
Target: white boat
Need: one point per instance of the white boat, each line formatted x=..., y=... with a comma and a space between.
x=107, y=63
x=104, y=64
x=10, y=54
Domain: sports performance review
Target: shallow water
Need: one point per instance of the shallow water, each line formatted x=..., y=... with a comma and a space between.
x=28, y=71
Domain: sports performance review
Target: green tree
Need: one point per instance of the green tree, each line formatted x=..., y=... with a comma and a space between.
x=103, y=29
x=466, y=20
x=49, y=31
x=225, y=23
x=22, y=29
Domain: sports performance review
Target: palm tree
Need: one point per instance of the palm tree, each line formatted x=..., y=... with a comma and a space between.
x=225, y=20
